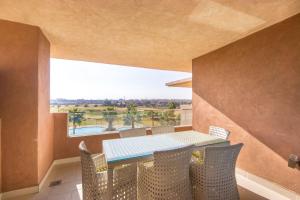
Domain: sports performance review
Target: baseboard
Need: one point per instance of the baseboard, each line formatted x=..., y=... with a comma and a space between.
x=57, y=162
x=19, y=192
x=66, y=160
x=42, y=183
x=264, y=187
x=35, y=189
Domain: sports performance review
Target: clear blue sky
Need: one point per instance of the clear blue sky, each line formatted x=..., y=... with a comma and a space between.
x=86, y=80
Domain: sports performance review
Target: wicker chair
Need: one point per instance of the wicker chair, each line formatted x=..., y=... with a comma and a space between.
x=215, y=178
x=167, y=177
x=162, y=130
x=133, y=132
x=94, y=178
x=219, y=132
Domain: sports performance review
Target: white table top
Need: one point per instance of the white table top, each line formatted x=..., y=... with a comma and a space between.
x=117, y=150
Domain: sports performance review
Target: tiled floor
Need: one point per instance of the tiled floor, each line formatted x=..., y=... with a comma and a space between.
x=70, y=188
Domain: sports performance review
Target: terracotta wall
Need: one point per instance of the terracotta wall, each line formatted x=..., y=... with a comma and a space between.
x=66, y=147
x=21, y=108
x=252, y=88
x=0, y=162
x=45, y=119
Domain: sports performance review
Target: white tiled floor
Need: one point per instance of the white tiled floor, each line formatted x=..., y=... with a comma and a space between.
x=71, y=188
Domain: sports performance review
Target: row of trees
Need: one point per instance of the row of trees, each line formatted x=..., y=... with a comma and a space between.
x=131, y=117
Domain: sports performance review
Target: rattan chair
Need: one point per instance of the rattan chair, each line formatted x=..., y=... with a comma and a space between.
x=219, y=132
x=94, y=178
x=162, y=129
x=167, y=177
x=215, y=178
x=135, y=132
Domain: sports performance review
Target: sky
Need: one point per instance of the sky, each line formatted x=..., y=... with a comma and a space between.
x=86, y=80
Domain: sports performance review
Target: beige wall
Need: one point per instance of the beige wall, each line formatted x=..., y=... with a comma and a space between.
x=252, y=88
x=24, y=57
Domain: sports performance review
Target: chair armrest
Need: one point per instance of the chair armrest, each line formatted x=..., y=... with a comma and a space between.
x=146, y=171
x=100, y=162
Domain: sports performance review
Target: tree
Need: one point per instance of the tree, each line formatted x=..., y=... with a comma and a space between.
x=132, y=115
x=154, y=116
x=172, y=105
x=109, y=115
x=58, y=106
x=168, y=116
x=76, y=117
x=107, y=102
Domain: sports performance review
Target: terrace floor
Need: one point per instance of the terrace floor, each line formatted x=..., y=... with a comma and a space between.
x=70, y=188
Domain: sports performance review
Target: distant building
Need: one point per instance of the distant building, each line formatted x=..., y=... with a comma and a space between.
x=186, y=114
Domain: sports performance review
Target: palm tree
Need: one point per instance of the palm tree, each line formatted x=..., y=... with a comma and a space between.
x=132, y=115
x=154, y=115
x=109, y=115
x=172, y=105
x=58, y=106
x=169, y=116
x=76, y=117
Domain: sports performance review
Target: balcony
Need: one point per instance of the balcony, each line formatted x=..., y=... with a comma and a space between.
x=244, y=60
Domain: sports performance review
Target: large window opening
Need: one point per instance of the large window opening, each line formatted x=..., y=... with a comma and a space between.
x=100, y=98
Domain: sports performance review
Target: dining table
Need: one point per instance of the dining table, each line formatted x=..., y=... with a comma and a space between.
x=140, y=149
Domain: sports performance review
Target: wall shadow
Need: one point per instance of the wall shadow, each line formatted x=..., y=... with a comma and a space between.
x=252, y=88
x=256, y=157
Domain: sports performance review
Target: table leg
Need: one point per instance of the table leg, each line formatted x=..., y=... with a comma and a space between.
x=110, y=172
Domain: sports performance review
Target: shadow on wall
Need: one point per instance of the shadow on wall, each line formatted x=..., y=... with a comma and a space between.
x=256, y=82
x=256, y=157
x=251, y=87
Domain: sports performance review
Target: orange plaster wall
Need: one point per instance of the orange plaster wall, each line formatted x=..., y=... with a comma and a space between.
x=0, y=161
x=45, y=118
x=66, y=147
x=18, y=100
x=22, y=109
x=252, y=88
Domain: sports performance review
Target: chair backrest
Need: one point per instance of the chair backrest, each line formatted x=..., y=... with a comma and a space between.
x=219, y=132
x=162, y=129
x=219, y=162
x=86, y=157
x=215, y=178
x=88, y=170
x=172, y=165
x=133, y=132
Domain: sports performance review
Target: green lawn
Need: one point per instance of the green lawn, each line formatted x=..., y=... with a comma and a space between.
x=93, y=115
